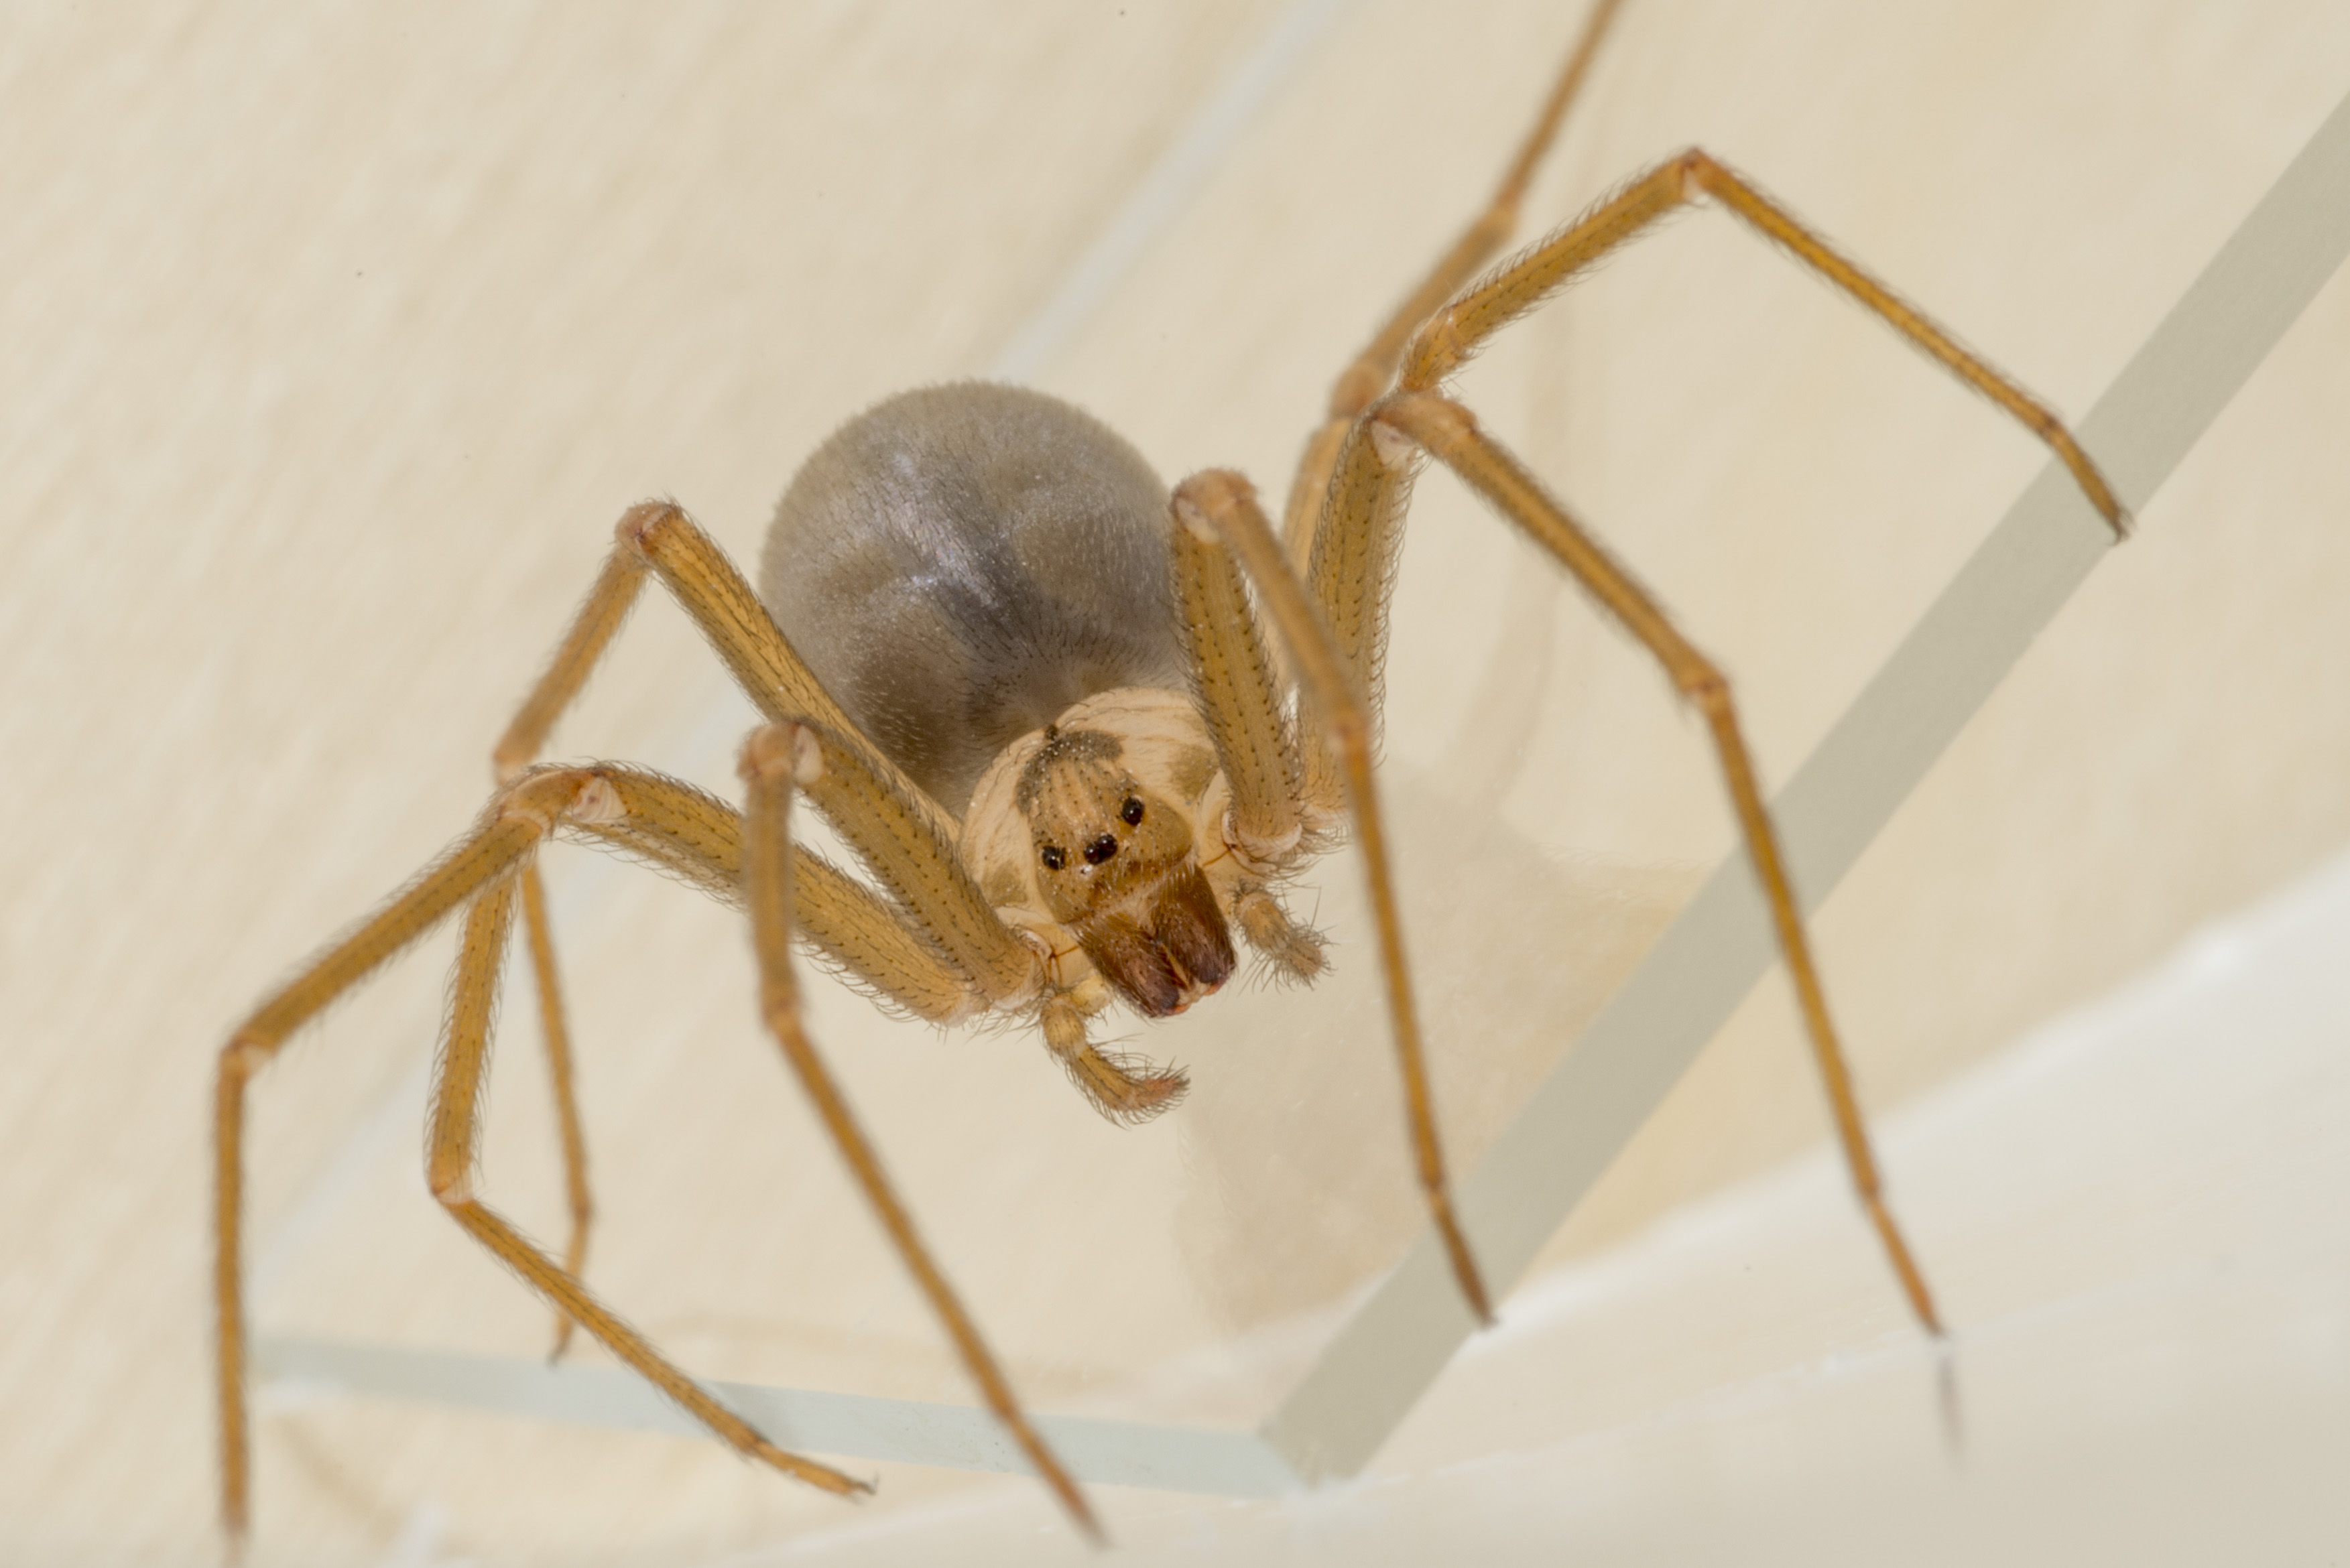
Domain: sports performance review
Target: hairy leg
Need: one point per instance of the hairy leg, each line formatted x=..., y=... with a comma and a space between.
x=1414, y=422
x=777, y=759
x=1218, y=510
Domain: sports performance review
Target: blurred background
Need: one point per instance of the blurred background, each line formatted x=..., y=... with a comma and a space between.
x=339, y=338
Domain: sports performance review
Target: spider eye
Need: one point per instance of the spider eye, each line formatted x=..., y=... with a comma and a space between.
x=1130, y=813
x=1054, y=858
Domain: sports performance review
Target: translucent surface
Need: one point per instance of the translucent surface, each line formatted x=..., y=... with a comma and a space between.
x=2137, y=1209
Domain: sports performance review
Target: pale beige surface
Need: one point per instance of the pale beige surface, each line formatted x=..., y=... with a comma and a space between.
x=2155, y=1367
x=336, y=344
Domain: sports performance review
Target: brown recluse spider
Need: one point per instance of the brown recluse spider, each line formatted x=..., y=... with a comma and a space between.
x=1031, y=689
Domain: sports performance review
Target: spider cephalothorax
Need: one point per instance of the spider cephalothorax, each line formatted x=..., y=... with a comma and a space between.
x=1120, y=869
x=1103, y=837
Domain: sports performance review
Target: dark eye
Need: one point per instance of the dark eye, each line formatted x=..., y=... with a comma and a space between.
x=1053, y=858
x=1130, y=813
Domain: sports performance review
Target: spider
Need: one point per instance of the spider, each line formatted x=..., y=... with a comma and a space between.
x=1032, y=688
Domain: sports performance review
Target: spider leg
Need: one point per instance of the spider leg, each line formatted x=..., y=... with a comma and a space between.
x=776, y=759
x=914, y=852
x=1218, y=516
x=1240, y=693
x=1352, y=550
x=482, y=866
x=1241, y=696
x=902, y=833
x=1448, y=338
x=554, y=1030
x=908, y=854
x=937, y=949
x=454, y=1130
x=1367, y=376
x=698, y=838
x=597, y=620
x=486, y=855
x=1448, y=432
x=1351, y=565
x=906, y=838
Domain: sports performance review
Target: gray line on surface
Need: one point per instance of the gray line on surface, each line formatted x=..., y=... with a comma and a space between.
x=850, y=1426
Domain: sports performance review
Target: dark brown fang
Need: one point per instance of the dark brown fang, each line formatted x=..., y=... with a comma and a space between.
x=1183, y=953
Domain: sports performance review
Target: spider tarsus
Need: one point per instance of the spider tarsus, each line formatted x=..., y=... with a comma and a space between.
x=1464, y=1271
x=1064, y=1486
x=822, y=1477
x=2101, y=495
x=1088, y=1525
x=1905, y=1267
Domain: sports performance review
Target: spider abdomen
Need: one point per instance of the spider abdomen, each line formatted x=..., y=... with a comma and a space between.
x=960, y=565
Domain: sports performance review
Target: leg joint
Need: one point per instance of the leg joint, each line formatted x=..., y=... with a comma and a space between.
x=640, y=522
x=1435, y=352
x=776, y=753
x=1429, y=419
x=1697, y=678
x=242, y=1056
x=1700, y=173
x=779, y=1009
x=545, y=797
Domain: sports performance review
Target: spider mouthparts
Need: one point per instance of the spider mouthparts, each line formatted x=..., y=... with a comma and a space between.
x=1180, y=951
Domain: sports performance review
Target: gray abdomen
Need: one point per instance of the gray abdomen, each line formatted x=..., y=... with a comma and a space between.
x=961, y=564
